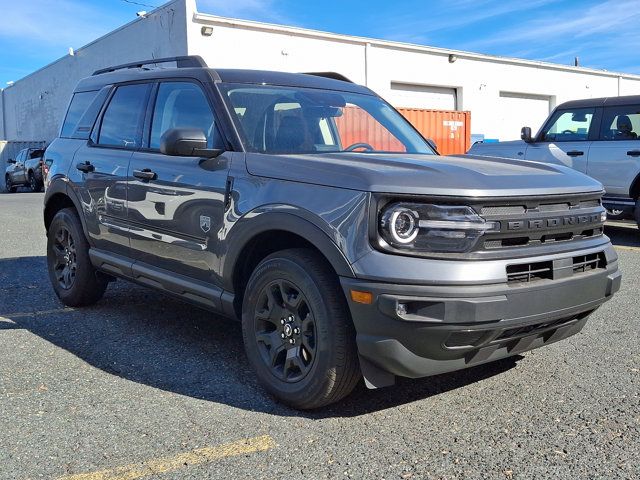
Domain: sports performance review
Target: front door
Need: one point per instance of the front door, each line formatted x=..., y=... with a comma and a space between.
x=176, y=204
x=103, y=163
x=565, y=139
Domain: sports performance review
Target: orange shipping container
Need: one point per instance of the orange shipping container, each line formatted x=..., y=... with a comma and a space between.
x=450, y=130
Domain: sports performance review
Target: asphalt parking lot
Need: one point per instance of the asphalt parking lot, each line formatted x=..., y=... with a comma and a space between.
x=143, y=386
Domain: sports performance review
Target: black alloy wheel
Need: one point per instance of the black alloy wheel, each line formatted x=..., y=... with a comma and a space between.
x=285, y=331
x=66, y=263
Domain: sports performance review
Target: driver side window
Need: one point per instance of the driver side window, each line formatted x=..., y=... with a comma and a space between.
x=569, y=126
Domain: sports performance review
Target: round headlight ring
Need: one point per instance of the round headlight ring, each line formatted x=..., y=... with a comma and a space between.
x=403, y=226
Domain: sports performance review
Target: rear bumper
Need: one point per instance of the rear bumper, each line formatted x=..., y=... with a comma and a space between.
x=422, y=330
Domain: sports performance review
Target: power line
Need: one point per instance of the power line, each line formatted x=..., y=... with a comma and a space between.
x=140, y=4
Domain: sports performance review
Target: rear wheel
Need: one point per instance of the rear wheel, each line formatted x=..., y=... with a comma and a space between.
x=8, y=185
x=637, y=212
x=33, y=183
x=72, y=275
x=297, y=331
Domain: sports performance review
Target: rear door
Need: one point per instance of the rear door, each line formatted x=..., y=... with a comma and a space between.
x=565, y=139
x=614, y=159
x=176, y=204
x=103, y=162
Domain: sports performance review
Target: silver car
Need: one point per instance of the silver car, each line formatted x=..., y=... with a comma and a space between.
x=596, y=136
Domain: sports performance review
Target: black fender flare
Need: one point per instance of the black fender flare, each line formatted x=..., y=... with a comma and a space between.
x=60, y=186
x=250, y=226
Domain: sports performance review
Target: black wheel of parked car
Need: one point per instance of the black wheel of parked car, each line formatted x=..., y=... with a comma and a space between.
x=297, y=330
x=637, y=212
x=8, y=185
x=72, y=275
x=33, y=183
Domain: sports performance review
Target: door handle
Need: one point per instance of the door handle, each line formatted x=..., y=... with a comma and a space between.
x=634, y=153
x=575, y=153
x=85, y=167
x=145, y=174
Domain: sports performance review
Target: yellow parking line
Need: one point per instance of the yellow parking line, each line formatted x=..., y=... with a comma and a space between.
x=167, y=464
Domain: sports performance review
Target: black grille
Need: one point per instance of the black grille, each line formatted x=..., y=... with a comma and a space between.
x=528, y=272
x=557, y=269
x=540, y=221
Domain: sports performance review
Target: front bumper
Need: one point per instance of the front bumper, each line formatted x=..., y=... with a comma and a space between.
x=421, y=330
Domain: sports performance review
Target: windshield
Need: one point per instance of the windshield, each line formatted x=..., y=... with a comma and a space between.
x=286, y=120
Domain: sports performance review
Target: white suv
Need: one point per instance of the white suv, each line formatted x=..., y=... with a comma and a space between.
x=598, y=137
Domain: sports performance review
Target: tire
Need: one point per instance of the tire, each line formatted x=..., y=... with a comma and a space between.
x=33, y=183
x=616, y=214
x=72, y=275
x=8, y=185
x=637, y=212
x=324, y=367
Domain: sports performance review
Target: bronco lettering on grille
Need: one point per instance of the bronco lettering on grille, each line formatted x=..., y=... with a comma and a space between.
x=553, y=222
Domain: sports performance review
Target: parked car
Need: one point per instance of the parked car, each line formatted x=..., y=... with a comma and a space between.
x=596, y=136
x=25, y=169
x=233, y=190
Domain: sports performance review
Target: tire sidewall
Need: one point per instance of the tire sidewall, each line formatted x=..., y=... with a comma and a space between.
x=637, y=212
x=315, y=381
x=85, y=273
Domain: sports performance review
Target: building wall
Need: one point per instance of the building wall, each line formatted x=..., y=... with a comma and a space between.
x=484, y=85
x=34, y=106
x=501, y=93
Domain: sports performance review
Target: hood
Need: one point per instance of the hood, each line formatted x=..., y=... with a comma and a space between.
x=464, y=175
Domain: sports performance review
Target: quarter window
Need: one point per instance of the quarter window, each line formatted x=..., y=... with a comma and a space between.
x=183, y=105
x=79, y=103
x=569, y=126
x=122, y=121
x=621, y=123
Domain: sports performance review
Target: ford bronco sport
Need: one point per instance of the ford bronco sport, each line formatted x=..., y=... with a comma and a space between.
x=596, y=136
x=309, y=209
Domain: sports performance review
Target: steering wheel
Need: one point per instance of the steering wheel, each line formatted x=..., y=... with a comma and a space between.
x=568, y=132
x=354, y=146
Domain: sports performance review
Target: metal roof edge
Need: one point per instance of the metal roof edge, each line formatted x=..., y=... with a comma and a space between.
x=264, y=26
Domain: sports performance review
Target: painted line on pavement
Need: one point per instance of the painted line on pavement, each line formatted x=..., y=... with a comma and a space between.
x=167, y=464
x=8, y=316
x=625, y=247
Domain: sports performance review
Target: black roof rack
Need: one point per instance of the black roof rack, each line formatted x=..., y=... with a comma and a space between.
x=333, y=75
x=181, y=62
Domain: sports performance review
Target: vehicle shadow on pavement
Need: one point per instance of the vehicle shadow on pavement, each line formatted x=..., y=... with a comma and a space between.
x=624, y=234
x=155, y=340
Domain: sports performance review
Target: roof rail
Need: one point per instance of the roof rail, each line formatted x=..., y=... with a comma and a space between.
x=181, y=62
x=334, y=75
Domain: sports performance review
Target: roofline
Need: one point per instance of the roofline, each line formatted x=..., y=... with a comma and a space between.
x=106, y=35
x=310, y=33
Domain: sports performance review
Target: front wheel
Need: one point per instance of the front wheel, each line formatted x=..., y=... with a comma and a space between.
x=637, y=211
x=74, y=280
x=8, y=185
x=297, y=331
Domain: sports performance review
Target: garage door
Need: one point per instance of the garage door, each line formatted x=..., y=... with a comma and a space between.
x=517, y=110
x=422, y=96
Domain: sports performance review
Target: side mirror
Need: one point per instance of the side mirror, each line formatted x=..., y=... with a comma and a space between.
x=11, y=160
x=525, y=134
x=186, y=142
x=432, y=144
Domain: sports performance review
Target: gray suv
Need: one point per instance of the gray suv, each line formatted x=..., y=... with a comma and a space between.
x=307, y=208
x=597, y=136
x=25, y=169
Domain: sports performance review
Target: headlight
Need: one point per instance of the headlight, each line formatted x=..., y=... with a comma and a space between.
x=432, y=228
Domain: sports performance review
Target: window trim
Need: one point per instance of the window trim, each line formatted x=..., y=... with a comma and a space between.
x=151, y=106
x=97, y=127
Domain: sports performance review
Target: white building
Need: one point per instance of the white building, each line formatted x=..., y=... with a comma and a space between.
x=502, y=94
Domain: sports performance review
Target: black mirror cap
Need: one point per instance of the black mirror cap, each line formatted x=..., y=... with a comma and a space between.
x=433, y=145
x=11, y=160
x=182, y=141
x=525, y=134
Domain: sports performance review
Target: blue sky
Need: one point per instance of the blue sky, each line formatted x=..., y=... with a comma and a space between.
x=604, y=34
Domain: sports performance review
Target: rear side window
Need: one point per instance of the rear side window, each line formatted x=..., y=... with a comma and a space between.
x=122, y=121
x=79, y=103
x=621, y=123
